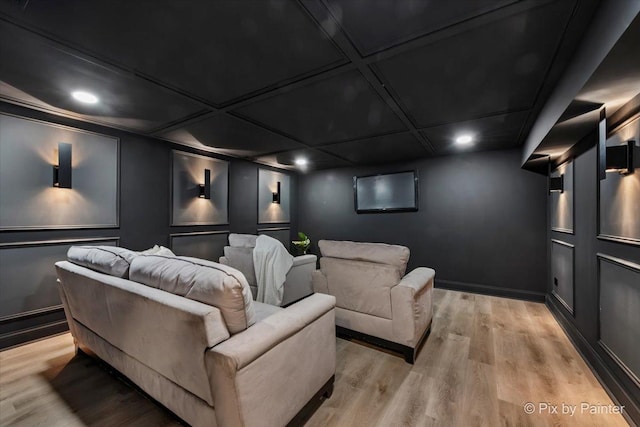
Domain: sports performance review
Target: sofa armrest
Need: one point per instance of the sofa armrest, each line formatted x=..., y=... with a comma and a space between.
x=411, y=304
x=319, y=282
x=305, y=259
x=418, y=279
x=266, y=374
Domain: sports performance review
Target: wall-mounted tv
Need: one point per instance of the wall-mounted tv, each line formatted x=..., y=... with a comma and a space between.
x=393, y=192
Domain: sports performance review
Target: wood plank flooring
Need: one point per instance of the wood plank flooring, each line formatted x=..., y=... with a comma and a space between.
x=485, y=358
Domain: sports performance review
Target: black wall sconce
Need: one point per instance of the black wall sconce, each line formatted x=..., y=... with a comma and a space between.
x=276, y=195
x=620, y=158
x=205, y=189
x=556, y=184
x=62, y=171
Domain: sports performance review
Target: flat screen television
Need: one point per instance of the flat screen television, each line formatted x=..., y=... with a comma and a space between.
x=393, y=192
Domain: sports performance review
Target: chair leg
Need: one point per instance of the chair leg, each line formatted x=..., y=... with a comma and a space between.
x=410, y=355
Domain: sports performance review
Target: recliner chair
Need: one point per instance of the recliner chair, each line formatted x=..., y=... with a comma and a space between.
x=375, y=301
x=239, y=255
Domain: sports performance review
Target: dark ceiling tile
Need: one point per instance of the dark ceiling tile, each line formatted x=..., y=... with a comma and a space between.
x=37, y=72
x=316, y=160
x=490, y=69
x=231, y=136
x=489, y=133
x=215, y=50
x=335, y=109
x=381, y=149
x=387, y=23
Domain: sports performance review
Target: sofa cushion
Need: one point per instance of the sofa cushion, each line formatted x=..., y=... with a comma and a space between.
x=241, y=258
x=205, y=281
x=381, y=253
x=242, y=240
x=110, y=260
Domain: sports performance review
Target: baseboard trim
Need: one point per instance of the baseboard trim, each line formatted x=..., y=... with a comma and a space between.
x=490, y=290
x=23, y=336
x=603, y=374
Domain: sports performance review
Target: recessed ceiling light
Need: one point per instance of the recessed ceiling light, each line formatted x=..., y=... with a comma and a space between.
x=86, y=97
x=464, y=139
x=300, y=161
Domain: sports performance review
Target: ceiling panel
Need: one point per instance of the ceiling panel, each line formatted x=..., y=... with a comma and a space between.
x=336, y=109
x=231, y=136
x=215, y=50
x=36, y=71
x=493, y=68
x=316, y=159
x=387, y=23
x=381, y=149
x=488, y=134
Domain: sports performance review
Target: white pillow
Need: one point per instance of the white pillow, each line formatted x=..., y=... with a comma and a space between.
x=158, y=250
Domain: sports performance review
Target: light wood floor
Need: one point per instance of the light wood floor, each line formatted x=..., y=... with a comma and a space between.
x=485, y=358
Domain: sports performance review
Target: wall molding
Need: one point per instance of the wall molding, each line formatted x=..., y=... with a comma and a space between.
x=598, y=367
x=618, y=239
x=22, y=244
x=629, y=265
x=116, y=139
x=30, y=313
x=490, y=290
x=262, y=230
x=25, y=326
x=571, y=246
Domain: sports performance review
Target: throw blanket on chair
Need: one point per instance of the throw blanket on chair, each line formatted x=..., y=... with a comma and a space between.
x=271, y=262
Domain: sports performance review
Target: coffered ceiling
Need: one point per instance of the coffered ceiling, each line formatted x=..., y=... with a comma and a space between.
x=340, y=82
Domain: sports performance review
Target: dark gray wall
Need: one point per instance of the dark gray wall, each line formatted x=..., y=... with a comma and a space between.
x=479, y=223
x=145, y=171
x=584, y=324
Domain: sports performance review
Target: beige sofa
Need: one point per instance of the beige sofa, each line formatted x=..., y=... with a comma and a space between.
x=187, y=332
x=239, y=255
x=375, y=301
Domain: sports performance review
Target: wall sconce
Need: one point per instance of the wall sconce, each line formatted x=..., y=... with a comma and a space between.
x=62, y=171
x=205, y=189
x=556, y=184
x=620, y=158
x=276, y=195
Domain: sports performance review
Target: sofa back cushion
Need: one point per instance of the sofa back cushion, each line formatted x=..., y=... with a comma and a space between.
x=205, y=281
x=380, y=253
x=360, y=286
x=242, y=240
x=241, y=258
x=110, y=260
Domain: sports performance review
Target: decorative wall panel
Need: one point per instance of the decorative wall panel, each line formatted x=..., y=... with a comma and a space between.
x=562, y=203
x=619, y=283
x=268, y=211
x=283, y=234
x=28, y=153
x=619, y=200
x=205, y=245
x=562, y=272
x=28, y=275
x=188, y=173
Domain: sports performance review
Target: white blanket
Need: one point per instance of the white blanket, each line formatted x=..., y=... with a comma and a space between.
x=271, y=262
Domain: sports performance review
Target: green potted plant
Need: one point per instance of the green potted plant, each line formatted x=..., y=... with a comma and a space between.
x=303, y=244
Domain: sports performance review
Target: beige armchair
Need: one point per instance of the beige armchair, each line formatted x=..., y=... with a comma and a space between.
x=375, y=301
x=239, y=255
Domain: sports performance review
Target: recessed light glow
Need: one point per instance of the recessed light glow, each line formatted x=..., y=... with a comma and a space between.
x=464, y=139
x=300, y=162
x=86, y=97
